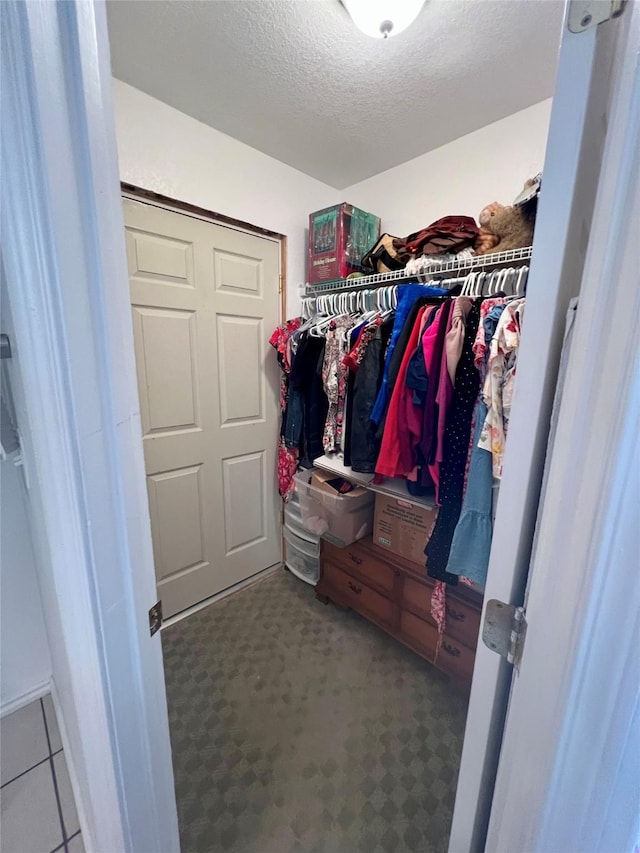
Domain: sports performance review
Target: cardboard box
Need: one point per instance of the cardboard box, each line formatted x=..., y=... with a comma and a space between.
x=338, y=238
x=402, y=527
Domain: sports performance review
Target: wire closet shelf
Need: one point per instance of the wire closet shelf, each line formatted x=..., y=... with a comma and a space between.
x=493, y=260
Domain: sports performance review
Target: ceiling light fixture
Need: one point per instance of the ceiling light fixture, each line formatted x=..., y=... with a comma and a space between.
x=383, y=18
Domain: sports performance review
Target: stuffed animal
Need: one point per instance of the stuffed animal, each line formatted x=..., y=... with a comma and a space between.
x=503, y=228
x=486, y=240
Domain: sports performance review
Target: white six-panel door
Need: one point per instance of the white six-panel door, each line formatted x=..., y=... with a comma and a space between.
x=204, y=301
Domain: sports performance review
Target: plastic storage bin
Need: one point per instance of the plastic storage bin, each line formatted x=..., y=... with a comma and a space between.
x=293, y=520
x=340, y=519
x=301, y=557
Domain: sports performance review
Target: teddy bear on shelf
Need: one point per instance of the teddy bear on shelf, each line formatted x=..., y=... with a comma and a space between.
x=511, y=227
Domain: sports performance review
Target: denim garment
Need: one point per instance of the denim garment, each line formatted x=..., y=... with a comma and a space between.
x=365, y=444
x=408, y=293
x=471, y=545
x=293, y=419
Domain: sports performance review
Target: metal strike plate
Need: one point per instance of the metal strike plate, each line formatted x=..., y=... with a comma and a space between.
x=155, y=617
x=504, y=629
x=5, y=346
x=585, y=14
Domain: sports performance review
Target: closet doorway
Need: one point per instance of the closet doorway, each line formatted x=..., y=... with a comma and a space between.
x=204, y=297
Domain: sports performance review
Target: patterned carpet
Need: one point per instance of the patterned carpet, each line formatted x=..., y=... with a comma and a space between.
x=298, y=728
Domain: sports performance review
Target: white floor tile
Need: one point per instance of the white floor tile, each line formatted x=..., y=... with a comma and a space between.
x=24, y=741
x=67, y=801
x=76, y=845
x=30, y=821
x=52, y=723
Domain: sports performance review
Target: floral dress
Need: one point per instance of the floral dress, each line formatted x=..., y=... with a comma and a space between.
x=499, y=383
x=334, y=378
x=287, y=456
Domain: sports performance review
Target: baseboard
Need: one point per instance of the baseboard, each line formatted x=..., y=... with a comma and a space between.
x=36, y=692
x=225, y=592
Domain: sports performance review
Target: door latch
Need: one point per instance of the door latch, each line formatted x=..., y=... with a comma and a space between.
x=504, y=629
x=155, y=617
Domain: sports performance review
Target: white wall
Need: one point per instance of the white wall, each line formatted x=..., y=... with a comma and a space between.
x=25, y=661
x=25, y=665
x=490, y=164
x=166, y=151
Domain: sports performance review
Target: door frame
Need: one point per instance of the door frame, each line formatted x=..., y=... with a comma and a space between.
x=63, y=251
x=593, y=88
x=569, y=769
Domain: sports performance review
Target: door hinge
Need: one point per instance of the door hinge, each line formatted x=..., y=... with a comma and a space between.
x=280, y=283
x=5, y=346
x=504, y=629
x=586, y=14
x=155, y=617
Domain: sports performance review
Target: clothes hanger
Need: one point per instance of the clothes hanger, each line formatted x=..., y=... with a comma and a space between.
x=469, y=284
x=523, y=275
x=478, y=284
x=509, y=280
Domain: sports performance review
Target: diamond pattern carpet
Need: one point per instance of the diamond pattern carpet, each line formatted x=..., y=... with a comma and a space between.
x=297, y=728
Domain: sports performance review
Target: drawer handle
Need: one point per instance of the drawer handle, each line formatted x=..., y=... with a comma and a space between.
x=355, y=588
x=354, y=559
x=454, y=651
x=457, y=615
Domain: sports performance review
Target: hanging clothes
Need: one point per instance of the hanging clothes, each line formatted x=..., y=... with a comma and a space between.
x=334, y=377
x=456, y=443
x=471, y=544
x=365, y=442
x=454, y=340
x=307, y=396
x=417, y=382
x=498, y=388
x=287, y=456
x=389, y=462
x=407, y=295
x=361, y=337
x=433, y=350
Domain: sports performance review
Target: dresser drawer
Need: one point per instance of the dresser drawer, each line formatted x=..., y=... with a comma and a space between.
x=420, y=634
x=463, y=621
x=352, y=592
x=456, y=658
x=416, y=597
x=357, y=561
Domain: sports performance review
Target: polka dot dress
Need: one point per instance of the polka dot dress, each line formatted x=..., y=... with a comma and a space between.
x=456, y=444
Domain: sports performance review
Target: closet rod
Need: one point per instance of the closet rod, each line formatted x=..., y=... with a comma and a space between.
x=484, y=282
x=489, y=261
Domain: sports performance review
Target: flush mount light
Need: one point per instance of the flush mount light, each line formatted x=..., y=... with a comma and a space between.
x=383, y=18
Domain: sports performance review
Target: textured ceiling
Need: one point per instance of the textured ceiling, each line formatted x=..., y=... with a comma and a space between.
x=296, y=80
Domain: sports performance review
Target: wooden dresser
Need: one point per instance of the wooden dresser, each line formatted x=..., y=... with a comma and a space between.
x=395, y=594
